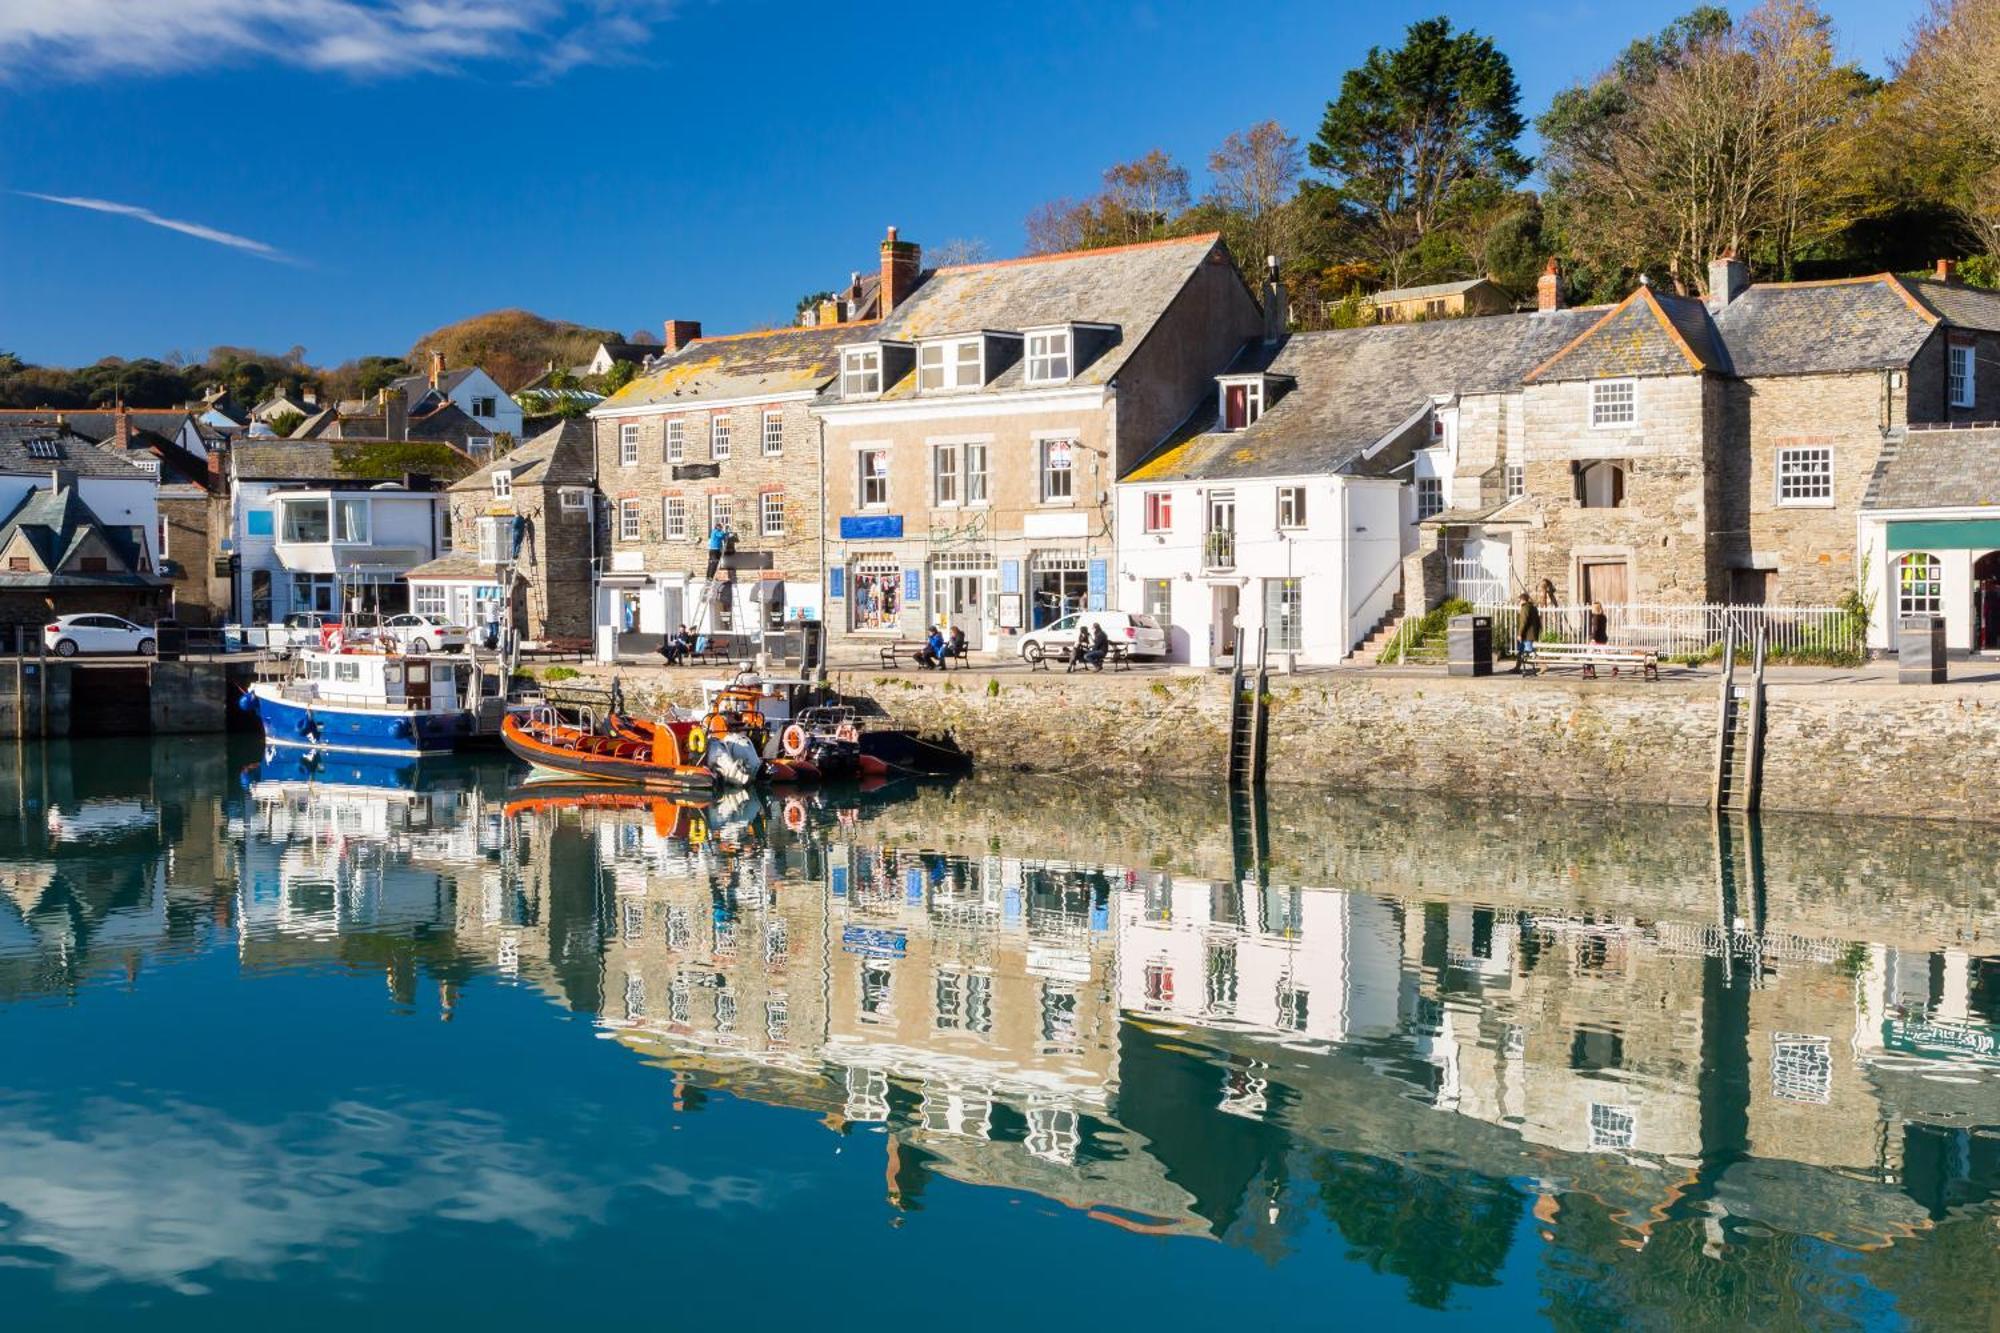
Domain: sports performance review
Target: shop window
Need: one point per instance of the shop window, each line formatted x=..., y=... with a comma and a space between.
x=876, y=596
x=1919, y=585
x=1284, y=608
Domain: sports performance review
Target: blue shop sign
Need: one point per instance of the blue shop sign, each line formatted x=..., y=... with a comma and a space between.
x=1100, y=585
x=913, y=586
x=836, y=583
x=871, y=527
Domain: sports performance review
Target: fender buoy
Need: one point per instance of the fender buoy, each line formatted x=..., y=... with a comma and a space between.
x=697, y=741
x=246, y=702
x=847, y=732
x=402, y=727
x=779, y=770
x=795, y=814
x=804, y=771
x=793, y=741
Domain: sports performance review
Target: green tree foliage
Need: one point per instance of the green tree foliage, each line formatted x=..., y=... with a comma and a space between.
x=1421, y=141
x=283, y=424
x=1434, y=1229
x=1140, y=201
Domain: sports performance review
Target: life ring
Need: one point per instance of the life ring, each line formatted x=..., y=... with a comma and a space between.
x=793, y=741
x=697, y=741
x=330, y=638
x=847, y=732
x=795, y=814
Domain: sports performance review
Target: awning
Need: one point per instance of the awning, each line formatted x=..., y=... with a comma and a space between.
x=1961, y=534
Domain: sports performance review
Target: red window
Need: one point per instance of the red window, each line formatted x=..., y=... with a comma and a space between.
x=1159, y=511
x=1236, y=406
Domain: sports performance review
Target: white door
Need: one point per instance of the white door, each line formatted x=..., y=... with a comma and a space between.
x=1222, y=628
x=967, y=608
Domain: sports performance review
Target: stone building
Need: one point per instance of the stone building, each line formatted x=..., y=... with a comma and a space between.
x=716, y=432
x=974, y=437
x=531, y=513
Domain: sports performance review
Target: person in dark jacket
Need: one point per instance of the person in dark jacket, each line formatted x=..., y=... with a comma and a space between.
x=1530, y=632
x=1100, y=645
x=955, y=646
x=931, y=656
x=1598, y=631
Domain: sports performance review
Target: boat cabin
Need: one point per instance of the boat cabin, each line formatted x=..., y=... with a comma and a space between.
x=395, y=681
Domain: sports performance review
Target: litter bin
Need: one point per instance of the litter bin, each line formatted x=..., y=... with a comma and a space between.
x=811, y=646
x=1920, y=650
x=1468, y=645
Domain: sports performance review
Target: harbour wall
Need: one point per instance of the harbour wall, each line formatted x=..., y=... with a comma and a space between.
x=1873, y=749
x=56, y=697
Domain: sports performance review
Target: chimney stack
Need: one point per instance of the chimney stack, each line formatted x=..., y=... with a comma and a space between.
x=1549, y=289
x=1728, y=276
x=1947, y=270
x=437, y=367
x=396, y=414
x=121, y=433
x=1277, y=305
x=681, y=332
x=902, y=265
x=829, y=313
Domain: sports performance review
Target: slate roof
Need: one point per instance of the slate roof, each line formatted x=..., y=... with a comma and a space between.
x=1352, y=388
x=1938, y=468
x=416, y=386
x=457, y=566
x=56, y=523
x=633, y=352
x=742, y=365
x=77, y=454
x=563, y=455
x=1816, y=327
x=1396, y=295
x=1647, y=333
x=1128, y=286
x=99, y=425
x=1968, y=307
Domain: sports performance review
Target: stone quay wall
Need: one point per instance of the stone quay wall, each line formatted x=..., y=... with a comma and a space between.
x=1927, y=752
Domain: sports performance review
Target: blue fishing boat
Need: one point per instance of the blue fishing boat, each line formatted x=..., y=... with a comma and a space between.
x=368, y=698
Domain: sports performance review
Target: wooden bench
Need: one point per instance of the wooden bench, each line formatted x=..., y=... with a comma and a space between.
x=1116, y=655
x=1590, y=656
x=891, y=652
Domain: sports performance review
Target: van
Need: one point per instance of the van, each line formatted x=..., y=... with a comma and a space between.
x=1142, y=635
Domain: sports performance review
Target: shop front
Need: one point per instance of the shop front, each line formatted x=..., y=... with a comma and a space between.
x=1936, y=565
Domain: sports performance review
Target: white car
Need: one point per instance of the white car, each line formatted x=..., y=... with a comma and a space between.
x=417, y=633
x=1141, y=634
x=70, y=635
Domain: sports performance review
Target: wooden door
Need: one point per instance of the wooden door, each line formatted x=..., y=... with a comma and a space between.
x=1606, y=582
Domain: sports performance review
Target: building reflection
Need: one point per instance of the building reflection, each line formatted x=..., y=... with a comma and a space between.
x=1656, y=1044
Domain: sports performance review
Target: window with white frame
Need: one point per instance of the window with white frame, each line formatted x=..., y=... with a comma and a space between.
x=1960, y=373
x=945, y=459
x=478, y=444
x=676, y=441
x=1291, y=506
x=861, y=371
x=951, y=365
x=1242, y=403
x=1613, y=403
x=1612, y=1128
x=628, y=444
x=1058, y=471
x=975, y=474
x=573, y=498
x=1284, y=613
x=1517, y=480
x=628, y=520
x=1805, y=475
x=721, y=511
x=1801, y=1068
x=495, y=535
x=772, y=514
x=1919, y=585
x=1430, y=497
x=503, y=484
x=1159, y=511
x=718, y=437
x=484, y=407
x=429, y=598
x=1049, y=356
x=774, y=434
x=872, y=479
x=674, y=518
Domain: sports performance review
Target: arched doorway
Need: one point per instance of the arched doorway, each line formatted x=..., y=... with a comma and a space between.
x=1986, y=602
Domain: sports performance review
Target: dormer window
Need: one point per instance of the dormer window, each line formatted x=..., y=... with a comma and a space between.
x=503, y=485
x=1242, y=403
x=861, y=372
x=1049, y=357
x=959, y=364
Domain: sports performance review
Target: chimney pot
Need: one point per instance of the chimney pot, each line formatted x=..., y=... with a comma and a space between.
x=681, y=332
x=1947, y=270
x=437, y=367
x=1548, y=288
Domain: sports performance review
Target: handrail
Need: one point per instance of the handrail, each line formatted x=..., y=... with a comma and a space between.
x=1394, y=571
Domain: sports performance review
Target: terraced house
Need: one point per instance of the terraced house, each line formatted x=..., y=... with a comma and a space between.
x=972, y=440
x=717, y=432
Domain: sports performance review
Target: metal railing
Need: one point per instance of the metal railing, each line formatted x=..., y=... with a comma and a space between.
x=1218, y=549
x=1695, y=629
x=1468, y=578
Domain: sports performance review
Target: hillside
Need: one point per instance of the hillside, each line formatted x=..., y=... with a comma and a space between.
x=513, y=345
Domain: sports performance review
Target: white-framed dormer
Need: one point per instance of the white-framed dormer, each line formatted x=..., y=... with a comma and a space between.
x=1241, y=400
x=861, y=371
x=1049, y=354
x=1614, y=404
x=950, y=365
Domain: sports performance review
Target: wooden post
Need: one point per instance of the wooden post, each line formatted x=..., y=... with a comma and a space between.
x=20, y=701
x=42, y=705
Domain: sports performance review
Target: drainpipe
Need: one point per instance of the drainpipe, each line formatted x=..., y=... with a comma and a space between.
x=1346, y=574
x=825, y=598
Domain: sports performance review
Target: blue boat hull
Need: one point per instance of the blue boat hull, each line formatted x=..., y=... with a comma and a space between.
x=360, y=731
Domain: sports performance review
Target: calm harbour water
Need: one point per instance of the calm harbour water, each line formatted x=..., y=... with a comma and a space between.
x=279, y=1052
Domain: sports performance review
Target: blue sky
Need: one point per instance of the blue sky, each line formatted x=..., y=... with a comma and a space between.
x=359, y=171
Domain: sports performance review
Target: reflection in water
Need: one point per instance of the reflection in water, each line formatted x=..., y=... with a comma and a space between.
x=1641, y=1070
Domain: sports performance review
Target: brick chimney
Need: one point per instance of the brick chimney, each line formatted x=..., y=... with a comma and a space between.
x=902, y=265
x=218, y=467
x=681, y=332
x=437, y=367
x=395, y=414
x=1947, y=270
x=121, y=431
x=829, y=313
x=1549, y=289
x=1728, y=278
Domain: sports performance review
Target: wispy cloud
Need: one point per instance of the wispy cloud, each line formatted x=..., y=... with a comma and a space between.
x=147, y=215
x=87, y=39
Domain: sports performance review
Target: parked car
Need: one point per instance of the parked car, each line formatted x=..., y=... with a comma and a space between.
x=418, y=633
x=1141, y=634
x=301, y=629
x=69, y=635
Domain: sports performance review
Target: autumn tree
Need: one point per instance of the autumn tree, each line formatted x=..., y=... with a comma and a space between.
x=1942, y=120
x=1139, y=202
x=1420, y=138
x=1254, y=177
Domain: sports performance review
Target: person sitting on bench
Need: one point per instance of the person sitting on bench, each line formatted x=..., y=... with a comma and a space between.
x=931, y=656
x=955, y=645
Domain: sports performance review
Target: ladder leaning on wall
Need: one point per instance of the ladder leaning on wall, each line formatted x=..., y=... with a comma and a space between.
x=1739, y=733
x=1248, y=714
